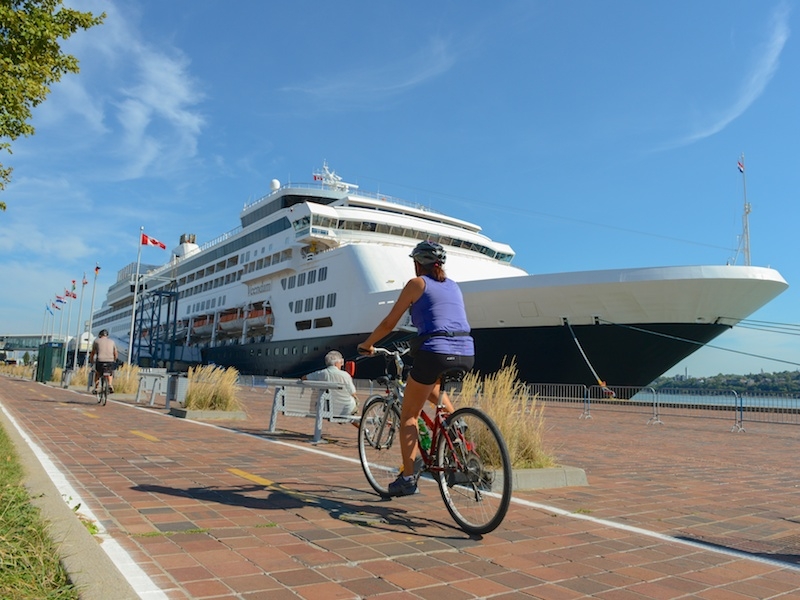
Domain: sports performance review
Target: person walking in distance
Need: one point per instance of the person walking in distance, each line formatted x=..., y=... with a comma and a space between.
x=104, y=356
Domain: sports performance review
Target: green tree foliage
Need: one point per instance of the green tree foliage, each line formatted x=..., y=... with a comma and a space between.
x=784, y=382
x=31, y=60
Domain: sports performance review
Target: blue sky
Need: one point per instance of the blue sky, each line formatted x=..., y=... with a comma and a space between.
x=586, y=135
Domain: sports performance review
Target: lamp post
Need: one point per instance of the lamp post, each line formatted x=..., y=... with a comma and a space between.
x=91, y=316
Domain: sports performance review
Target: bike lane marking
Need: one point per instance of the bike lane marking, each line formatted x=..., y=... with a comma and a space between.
x=144, y=435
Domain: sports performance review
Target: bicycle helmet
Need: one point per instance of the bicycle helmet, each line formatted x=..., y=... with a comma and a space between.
x=429, y=253
x=103, y=333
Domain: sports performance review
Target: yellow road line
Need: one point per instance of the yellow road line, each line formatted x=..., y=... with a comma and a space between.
x=91, y=415
x=146, y=436
x=251, y=477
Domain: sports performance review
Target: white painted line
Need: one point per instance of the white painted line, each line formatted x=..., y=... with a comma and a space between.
x=139, y=580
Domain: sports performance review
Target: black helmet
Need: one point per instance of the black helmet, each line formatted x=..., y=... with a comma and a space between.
x=429, y=253
x=103, y=333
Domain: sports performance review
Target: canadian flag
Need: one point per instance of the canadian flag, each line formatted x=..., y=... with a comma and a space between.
x=148, y=241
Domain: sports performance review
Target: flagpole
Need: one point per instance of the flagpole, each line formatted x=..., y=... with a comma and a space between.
x=745, y=217
x=135, y=294
x=91, y=310
x=44, y=325
x=78, y=324
x=66, y=335
x=60, y=322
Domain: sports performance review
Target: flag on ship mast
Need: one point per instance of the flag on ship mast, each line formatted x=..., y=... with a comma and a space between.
x=150, y=241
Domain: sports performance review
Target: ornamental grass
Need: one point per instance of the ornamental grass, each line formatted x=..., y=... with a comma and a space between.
x=212, y=388
x=519, y=416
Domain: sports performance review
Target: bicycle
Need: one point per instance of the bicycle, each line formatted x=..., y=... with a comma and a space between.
x=102, y=393
x=467, y=455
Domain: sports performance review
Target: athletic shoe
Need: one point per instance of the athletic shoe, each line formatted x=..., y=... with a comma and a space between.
x=110, y=390
x=401, y=487
x=94, y=392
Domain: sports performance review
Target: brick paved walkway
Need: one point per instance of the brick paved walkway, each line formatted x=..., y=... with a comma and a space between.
x=682, y=510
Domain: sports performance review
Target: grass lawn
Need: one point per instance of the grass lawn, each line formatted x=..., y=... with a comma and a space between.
x=29, y=566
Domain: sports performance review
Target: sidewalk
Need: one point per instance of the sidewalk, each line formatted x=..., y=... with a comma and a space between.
x=190, y=510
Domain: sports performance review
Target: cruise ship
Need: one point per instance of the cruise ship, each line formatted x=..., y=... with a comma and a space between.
x=315, y=266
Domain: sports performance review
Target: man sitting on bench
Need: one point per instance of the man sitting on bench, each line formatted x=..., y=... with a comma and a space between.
x=343, y=402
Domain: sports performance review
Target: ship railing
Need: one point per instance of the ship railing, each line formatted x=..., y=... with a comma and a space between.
x=658, y=406
x=322, y=186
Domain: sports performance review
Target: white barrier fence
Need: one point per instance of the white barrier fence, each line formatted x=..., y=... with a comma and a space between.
x=735, y=407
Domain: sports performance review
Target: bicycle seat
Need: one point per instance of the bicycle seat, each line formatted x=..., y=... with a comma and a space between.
x=453, y=375
x=382, y=380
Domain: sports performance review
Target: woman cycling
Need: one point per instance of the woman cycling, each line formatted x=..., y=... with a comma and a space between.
x=437, y=311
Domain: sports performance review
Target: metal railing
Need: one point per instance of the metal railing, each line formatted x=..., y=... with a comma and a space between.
x=657, y=407
x=666, y=404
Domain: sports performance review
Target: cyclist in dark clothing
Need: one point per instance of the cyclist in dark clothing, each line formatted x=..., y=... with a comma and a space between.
x=437, y=311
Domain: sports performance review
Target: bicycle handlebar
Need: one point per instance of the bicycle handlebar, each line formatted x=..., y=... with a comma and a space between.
x=387, y=352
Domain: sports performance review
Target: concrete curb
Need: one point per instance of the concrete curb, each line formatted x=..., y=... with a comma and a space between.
x=539, y=479
x=91, y=570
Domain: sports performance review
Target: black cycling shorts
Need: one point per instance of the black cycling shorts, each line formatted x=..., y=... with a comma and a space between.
x=104, y=367
x=428, y=366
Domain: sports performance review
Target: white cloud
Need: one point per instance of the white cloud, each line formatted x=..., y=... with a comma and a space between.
x=370, y=87
x=763, y=68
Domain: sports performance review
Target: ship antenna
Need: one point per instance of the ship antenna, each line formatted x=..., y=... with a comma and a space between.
x=744, y=242
x=331, y=180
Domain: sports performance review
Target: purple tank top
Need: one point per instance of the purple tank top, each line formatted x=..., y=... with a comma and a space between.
x=441, y=309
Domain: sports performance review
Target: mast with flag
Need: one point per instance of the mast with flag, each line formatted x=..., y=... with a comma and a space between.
x=144, y=240
x=78, y=324
x=744, y=243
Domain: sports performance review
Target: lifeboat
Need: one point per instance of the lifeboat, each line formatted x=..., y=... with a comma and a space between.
x=232, y=322
x=203, y=325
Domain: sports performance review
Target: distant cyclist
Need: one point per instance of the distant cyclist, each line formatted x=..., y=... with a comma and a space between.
x=437, y=311
x=104, y=357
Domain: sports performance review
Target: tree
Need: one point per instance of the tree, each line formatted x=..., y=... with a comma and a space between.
x=31, y=60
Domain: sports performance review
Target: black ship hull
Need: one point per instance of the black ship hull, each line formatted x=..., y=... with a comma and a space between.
x=622, y=355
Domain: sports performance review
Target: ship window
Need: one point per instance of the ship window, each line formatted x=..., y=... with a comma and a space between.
x=286, y=255
x=301, y=279
x=320, y=302
x=268, y=351
x=332, y=300
x=252, y=352
x=233, y=261
x=323, y=322
x=302, y=325
x=383, y=228
x=283, y=283
x=305, y=349
x=298, y=307
x=213, y=303
x=291, y=306
x=294, y=349
x=267, y=261
x=323, y=273
x=260, y=263
x=285, y=350
x=276, y=258
x=309, y=304
x=292, y=281
x=312, y=277
x=259, y=352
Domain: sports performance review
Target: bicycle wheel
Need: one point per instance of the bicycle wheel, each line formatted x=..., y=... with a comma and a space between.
x=475, y=475
x=102, y=393
x=379, y=443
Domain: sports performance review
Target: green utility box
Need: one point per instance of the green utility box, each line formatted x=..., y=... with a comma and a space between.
x=51, y=357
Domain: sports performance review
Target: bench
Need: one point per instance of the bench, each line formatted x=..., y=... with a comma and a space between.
x=151, y=380
x=300, y=398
